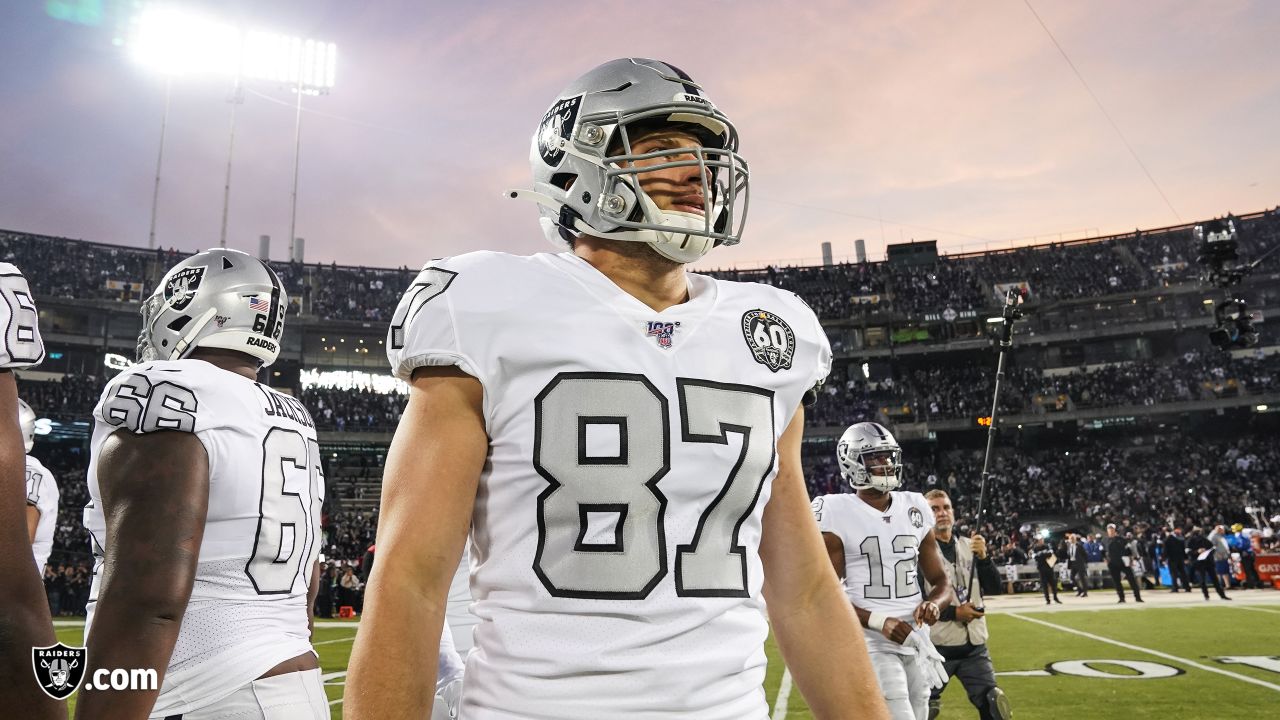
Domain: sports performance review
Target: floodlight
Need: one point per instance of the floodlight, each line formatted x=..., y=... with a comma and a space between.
x=179, y=42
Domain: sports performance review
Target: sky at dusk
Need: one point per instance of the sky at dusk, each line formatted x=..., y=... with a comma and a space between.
x=889, y=121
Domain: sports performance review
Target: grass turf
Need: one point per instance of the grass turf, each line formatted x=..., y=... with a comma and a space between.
x=1197, y=635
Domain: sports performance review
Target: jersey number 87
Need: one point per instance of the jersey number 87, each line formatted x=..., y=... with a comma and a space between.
x=624, y=486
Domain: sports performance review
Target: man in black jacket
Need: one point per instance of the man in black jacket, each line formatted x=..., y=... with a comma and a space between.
x=1120, y=563
x=1078, y=563
x=1175, y=556
x=1201, y=548
x=1045, y=560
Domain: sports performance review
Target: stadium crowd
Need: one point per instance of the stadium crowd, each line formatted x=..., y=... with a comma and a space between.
x=1081, y=269
x=1185, y=482
x=938, y=392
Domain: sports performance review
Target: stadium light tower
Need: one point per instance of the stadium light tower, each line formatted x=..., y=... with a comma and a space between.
x=174, y=42
x=178, y=42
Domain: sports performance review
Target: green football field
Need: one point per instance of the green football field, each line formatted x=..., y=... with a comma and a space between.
x=1173, y=657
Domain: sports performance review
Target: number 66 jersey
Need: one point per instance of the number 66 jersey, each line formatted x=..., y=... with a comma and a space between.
x=248, y=606
x=616, y=528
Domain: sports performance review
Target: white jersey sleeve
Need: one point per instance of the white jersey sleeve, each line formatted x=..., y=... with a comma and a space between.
x=20, y=345
x=422, y=332
x=822, y=366
x=157, y=396
x=42, y=494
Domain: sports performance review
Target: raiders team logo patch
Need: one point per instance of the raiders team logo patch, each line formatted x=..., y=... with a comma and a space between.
x=180, y=289
x=665, y=332
x=59, y=669
x=770, y=339
x=916, y=517
x=556, y=126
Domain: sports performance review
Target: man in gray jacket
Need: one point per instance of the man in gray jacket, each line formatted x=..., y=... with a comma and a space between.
x=960, y=634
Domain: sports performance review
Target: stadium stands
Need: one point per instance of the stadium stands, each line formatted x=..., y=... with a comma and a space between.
x=1094, y=355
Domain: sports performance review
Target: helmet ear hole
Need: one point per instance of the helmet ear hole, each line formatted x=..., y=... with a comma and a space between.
x=180, y=323
x=564, y=180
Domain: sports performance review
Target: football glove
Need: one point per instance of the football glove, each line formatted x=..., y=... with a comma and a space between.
x=447, y=701
x=927, y=657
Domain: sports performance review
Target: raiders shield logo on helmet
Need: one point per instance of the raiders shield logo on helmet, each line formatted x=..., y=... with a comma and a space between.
x=59, y=669
x=557, y=125
x=180, y=289
x=770, y=339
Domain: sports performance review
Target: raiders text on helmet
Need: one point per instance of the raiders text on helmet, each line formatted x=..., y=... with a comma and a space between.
x=215, y=299
x=860, y=441
x=583, y=188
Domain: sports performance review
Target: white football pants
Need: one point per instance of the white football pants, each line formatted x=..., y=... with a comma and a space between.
x=291, y=696
x=905, y=688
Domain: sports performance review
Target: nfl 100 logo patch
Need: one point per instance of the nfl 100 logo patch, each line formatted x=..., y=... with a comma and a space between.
x=665, y=332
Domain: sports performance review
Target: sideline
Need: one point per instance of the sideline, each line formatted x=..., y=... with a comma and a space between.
x=1149, y=651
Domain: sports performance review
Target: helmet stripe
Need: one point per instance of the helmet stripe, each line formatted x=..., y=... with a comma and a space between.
x=275, y=299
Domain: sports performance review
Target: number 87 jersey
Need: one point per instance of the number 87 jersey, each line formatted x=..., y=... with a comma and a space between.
x=248, y=606
x=617, y=525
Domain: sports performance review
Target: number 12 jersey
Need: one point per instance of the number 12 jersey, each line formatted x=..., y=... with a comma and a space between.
x=616, y=528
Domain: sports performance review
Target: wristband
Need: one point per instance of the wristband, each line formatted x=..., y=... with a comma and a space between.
x=876, y=621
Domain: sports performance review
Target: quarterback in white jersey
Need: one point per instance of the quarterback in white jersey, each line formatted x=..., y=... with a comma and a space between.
x=880, y=541
x=24, y=610
x=205, y=491
x=620, y=437
x=42, y=493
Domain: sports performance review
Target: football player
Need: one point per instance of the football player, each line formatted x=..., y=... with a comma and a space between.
x=880, y=541
x=621, y=439
x=42, y=493
x=24, y=618
x=205, y=491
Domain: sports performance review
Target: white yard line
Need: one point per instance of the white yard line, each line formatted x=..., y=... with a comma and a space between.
x=330, y=642
x=334, y=676
x=1256, y=609
x=1149, y=651
x=784, y=695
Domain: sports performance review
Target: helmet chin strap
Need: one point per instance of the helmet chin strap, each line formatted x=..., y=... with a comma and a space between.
x=180, y=347
x=682, y=247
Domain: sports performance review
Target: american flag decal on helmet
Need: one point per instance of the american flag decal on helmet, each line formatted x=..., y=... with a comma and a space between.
x=258, y=304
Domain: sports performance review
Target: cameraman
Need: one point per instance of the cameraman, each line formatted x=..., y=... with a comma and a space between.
x=960, y=634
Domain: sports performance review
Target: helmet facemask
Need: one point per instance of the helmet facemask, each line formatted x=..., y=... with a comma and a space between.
x=677, y=235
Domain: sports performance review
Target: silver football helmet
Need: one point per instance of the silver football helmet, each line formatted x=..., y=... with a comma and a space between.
x=585, y=175
x=215, y=299
x=27, y=420
x=870, y=439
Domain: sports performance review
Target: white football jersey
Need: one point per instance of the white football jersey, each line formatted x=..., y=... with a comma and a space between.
x=616, y=531
x=42, y=493
x=881, y=554
x=20, y=344
x=248, y=608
